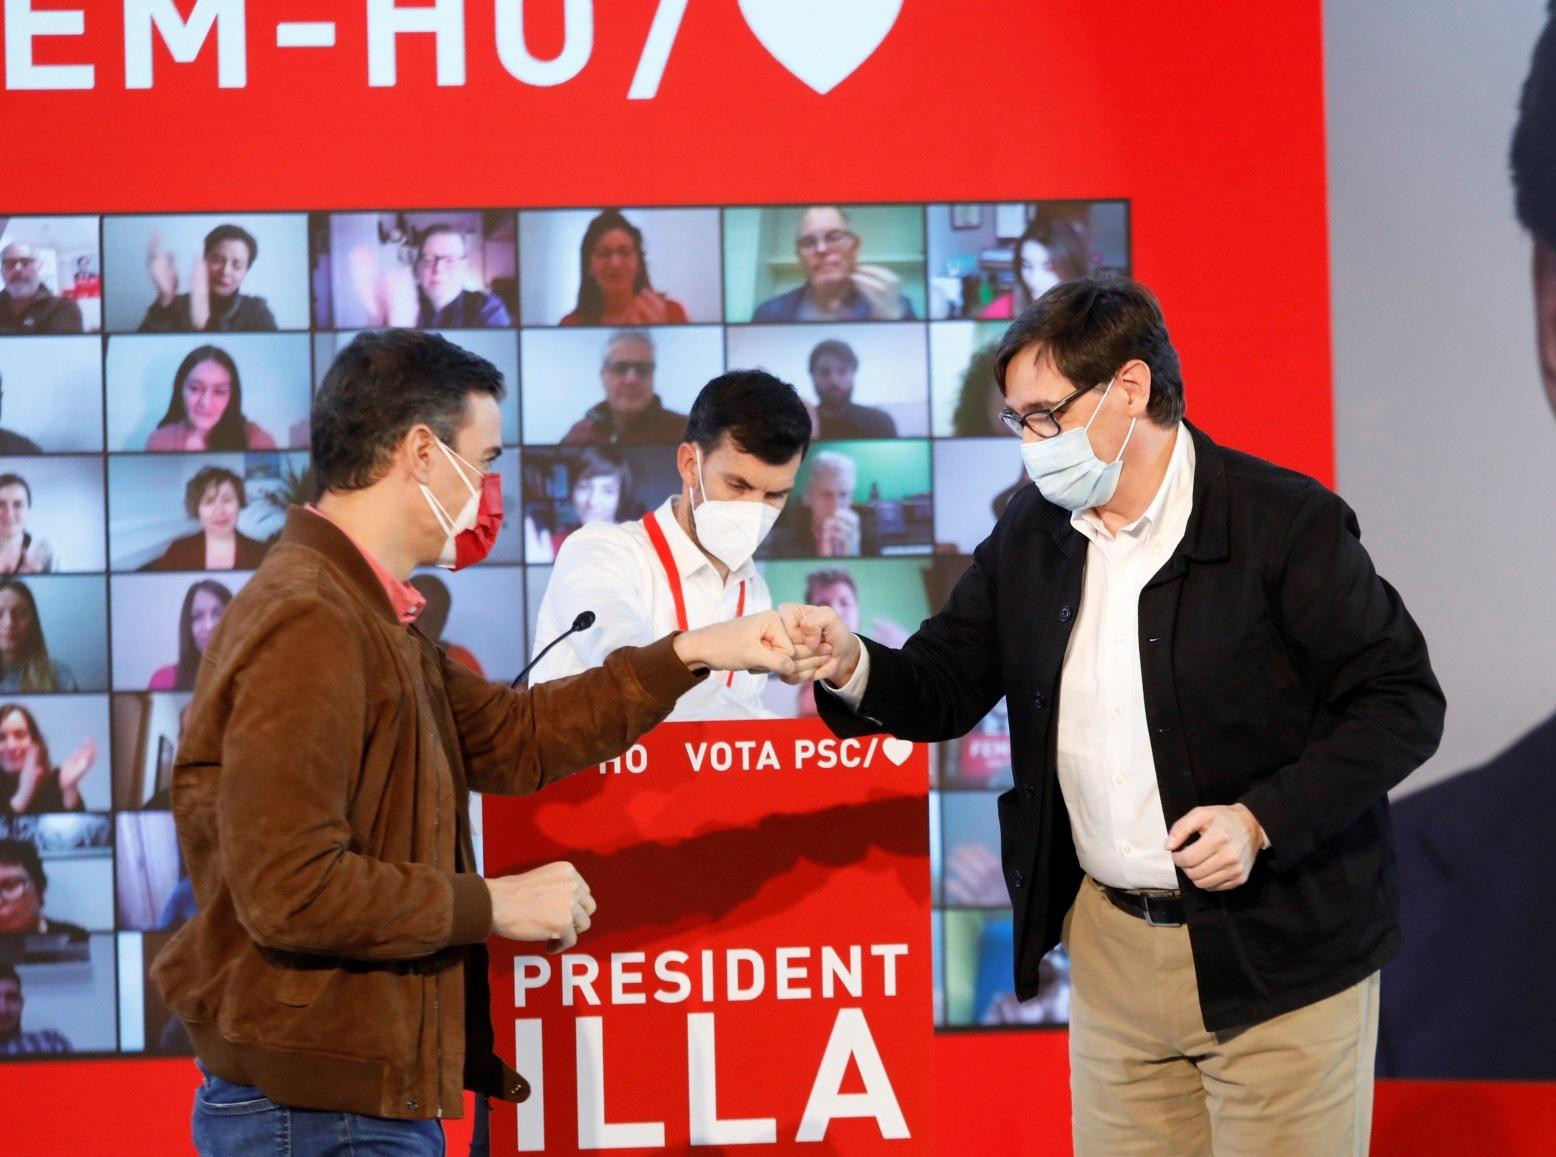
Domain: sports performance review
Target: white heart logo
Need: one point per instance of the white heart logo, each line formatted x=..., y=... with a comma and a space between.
x=897, y=750
x=821, y=41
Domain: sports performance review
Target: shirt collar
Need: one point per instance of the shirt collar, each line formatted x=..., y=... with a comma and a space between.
x=407, y=601
x=1180, y=469
x=688, y=556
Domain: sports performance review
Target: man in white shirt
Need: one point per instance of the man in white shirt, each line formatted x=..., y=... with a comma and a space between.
x=1210, y=692
x=688, y=563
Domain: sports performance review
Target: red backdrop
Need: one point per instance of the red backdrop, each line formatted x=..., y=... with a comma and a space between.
x=1209, y=119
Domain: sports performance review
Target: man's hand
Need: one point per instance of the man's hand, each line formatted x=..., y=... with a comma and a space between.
x=827, y=649
x=1221, y=858
x=838, y=535
x=199, y=294
x=757, y=643
x=550, y=903
x=881, y=288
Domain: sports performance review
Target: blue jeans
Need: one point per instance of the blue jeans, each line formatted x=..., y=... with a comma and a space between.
x=239, y=1121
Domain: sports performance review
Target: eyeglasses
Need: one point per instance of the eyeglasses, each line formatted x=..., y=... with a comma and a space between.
x=832, y=239
x=622, y=369
x=1042, y=422
x=18, y=262
x=11, y=889
x=619, y=253
x=437, y=263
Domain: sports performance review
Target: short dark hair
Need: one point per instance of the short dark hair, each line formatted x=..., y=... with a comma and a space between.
x=761, y=414
x=377, y=388
x=24, y=854
x=832, y=348
x=1091, y=326
x=205, y=478
x=1533, y=153
x=232, y=233
x=829, y=576
x=16, y=480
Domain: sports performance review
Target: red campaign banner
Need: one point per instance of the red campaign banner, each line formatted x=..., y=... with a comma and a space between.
x=758, y=972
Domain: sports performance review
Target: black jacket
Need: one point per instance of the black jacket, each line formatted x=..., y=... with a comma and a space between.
x=1278, y=670
x=1469, y=997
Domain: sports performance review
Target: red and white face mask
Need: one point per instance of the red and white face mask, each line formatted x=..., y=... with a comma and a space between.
x=469, y=535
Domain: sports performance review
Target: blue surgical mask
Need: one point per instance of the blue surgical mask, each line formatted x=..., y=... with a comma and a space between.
x=1068, y=471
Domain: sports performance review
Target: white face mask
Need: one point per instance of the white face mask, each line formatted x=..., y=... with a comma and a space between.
x=464, y=520
x=730, y=531
x=1068, y=471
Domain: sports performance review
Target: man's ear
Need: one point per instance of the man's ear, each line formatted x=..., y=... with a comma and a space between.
x=686, y=464
x=1545, y=315
x=1134, y=378
x=416, y=450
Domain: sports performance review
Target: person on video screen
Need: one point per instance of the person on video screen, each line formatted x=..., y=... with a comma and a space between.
x=613, y=283
x=690, y=562
x=25, y=665
x=1052, y=249
x=833, y=365
x=214, y=497
x=20, y=551
x=213, y=302
x=205, y=409
x=442, y=299
x=29, y=783
x=631, y=413
x=12, y=443
x=1465, y=998
x=26, y=304
x=203, y=606
x=599, y=489
x=14, y=1040
x=827, y=524
x=837, y=287
x=23, y=883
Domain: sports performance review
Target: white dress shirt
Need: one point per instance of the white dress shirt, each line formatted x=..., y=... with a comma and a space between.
x=613, y=570
x=1106, y=770
x=1107, y=773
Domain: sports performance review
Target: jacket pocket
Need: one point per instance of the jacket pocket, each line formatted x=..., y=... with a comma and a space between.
x=1287, y=924
x=1224, y=694
x=300, y=985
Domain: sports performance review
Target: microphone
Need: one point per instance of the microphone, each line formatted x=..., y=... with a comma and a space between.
x=583, y=622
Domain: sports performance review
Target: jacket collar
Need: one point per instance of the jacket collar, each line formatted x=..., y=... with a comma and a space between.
x=600, y=413
x=316, y=533
x=1204, y=539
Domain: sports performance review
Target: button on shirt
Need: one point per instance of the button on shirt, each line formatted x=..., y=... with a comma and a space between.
x=1106, y=770
x=614, y=571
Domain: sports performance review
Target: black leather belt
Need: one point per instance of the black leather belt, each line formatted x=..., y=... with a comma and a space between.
x=1158, y=909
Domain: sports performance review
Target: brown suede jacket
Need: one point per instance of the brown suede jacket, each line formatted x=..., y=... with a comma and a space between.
x=321, y=791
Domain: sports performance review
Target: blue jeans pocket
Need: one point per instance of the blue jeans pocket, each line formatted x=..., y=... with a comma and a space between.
x=224, y=1099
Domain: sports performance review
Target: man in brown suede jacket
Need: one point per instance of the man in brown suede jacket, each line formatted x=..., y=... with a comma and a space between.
x=334, y=980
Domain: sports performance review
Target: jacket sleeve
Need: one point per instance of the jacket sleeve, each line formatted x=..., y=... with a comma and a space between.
x=515, y=742
x=944, y=679
x=291, y=751
x=1352, y=637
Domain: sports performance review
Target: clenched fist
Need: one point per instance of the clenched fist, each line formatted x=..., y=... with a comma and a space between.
x=550, y=903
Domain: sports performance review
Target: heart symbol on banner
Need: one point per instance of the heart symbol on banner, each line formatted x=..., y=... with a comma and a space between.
x=821, y=41
x=897, y=750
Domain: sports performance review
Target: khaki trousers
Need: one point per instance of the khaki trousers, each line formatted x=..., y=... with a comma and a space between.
x=1146, y=1078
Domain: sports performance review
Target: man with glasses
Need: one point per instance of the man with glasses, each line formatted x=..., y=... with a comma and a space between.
x=631, y=414
x=443, y=302
x=26, y=304
x=1211, y=692
x=837, y=287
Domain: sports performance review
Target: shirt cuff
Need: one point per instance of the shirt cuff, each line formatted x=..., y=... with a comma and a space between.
x=852, y=692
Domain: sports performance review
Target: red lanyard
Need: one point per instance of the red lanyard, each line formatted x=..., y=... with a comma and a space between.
x=673, y=577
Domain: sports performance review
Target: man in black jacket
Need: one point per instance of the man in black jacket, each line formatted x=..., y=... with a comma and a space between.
x=1210, y=692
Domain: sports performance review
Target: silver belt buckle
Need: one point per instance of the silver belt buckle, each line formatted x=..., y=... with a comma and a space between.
x=1150, y=916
